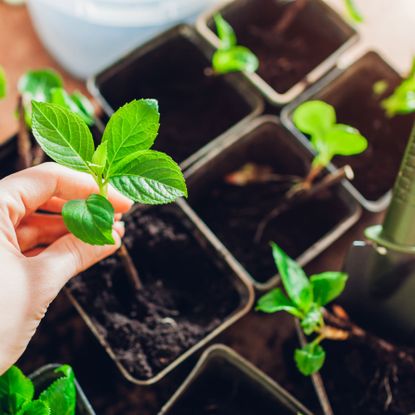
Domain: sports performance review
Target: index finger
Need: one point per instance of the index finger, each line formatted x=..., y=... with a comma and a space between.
x=24, y=192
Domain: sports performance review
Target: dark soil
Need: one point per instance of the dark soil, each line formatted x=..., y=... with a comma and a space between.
x=186, y=295
x=194, y=108
x=223, y=389
x=285, y=58
x=376, y=168
x=360, y=379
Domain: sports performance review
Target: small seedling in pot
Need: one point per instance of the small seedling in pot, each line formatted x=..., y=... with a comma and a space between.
x=44, y=85
x=123, y=159
x=402, y=100
x=17, y=394
x=3, y=83
x=230, y=57
x=305, y=299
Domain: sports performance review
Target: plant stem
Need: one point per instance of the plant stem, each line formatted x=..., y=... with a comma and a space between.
x=293, y=198
x=129, y=267
x=24, y=144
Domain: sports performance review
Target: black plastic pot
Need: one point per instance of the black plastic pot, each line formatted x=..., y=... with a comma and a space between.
x=224, y=381
x=233, y=213
x=350, y=91
x=196, y=109
x=46, y=375
x=193, y=290
x=291, y=61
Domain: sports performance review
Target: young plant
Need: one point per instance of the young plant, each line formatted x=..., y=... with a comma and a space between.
x=318, y=120
x=17, y=394
x=3, y=83
x=402, y=100
x=305, y=299
x=44, y=86
x=123, y=159
x=231, y=57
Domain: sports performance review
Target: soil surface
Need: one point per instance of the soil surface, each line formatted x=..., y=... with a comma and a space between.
x=194, y=108
x=222, y=389
x=356, y=105
x=361, y=379
x=287, y=57
x=185, y=296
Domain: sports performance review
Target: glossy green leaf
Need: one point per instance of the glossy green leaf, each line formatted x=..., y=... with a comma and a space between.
x=132, y=128
x=310, y=359
x=63, y=136
x=149, y=177
x=73, y=103
x=344, y=140
x=35, y=408
x=15, y=390
x=99, y=159
x=294, y=279
x=225, y=32
x=60, y=396
x=275, y=301
x=3, y=83
x=313, y=320
x=314, y=117
x=90, y=220
x=327, y=286
x=353, y=11
x=236, y=59
x=37, y=86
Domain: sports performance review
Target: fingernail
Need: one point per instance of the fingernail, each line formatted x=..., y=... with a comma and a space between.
x=119, y=227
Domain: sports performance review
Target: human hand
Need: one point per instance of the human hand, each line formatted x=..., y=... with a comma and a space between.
x=37, y=254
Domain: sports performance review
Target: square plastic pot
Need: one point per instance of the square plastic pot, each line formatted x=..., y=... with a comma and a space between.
x=306, y=50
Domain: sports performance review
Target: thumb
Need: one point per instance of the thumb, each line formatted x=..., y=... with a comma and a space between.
x=68, y=256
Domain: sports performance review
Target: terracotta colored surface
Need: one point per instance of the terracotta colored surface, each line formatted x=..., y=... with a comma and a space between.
x=20, y=50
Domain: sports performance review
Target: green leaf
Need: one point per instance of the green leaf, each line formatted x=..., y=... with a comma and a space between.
x=353, y=11
x=63, y=136
x=314, y=117
x=225, y=32
x=294, y=279
x=149, y=177
x=35, y=408
x=37, y=86
x=90, y=220
x=310, y=359
x=60, y=396
x=313, y=320
x=327, y=286
x=15, y=390
x=380, y=87
x=344, y=140
x=236, y=59
x=275, y=301
x=132, y=128
x=60, y=97
x=3, y=83
x=99, y=159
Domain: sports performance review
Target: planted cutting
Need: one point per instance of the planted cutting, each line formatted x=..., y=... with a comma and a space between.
x=307, y=299
x=17, y=394
x=231, y=57
x=44, y=85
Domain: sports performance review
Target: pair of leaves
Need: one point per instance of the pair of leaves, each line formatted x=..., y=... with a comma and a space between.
x=304, y=300
x=17, y=393
x=402, y=100
x=3, y=83
x=46, y=85
x=123, y=159
x=231, y=57
x=318, y=119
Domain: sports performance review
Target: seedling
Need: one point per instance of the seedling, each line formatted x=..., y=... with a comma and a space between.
x=123, y=159
x=44, y=86
x=17, y=394
x=231, y=57
x=318, y=120
x=402, y=100
x=353, y=11
x=3, y=83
